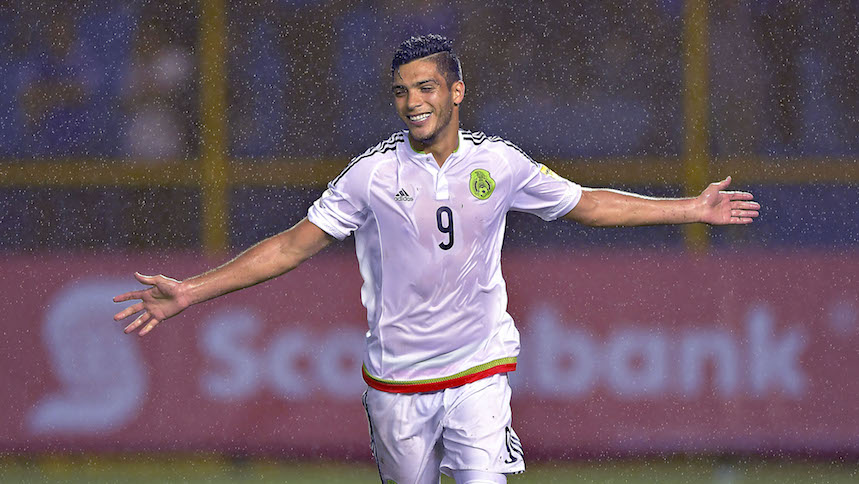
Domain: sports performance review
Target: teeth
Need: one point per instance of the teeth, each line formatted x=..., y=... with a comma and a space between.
x=419, y=117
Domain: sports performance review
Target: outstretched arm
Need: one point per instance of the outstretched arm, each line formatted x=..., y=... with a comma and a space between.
x=611, y=208
x=270, y=258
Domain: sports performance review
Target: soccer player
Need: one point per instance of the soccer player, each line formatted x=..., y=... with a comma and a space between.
x=427, y=208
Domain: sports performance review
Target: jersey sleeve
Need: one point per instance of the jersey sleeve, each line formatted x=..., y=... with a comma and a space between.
x=342, y=208
x=540, y=191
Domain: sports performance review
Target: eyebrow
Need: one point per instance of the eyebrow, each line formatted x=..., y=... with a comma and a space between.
x=417, y=84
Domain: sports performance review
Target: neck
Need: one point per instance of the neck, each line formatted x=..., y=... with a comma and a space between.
x=440, y=147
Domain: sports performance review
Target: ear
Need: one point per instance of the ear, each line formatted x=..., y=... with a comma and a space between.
x=458, y=90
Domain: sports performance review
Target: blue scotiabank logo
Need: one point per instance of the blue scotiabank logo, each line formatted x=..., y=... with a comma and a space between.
x=637, y=361
x=101, y=371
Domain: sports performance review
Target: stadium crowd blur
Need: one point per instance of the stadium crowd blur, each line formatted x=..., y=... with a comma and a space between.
x=307, y=79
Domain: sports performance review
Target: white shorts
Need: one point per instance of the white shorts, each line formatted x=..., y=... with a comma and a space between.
x=417, y=436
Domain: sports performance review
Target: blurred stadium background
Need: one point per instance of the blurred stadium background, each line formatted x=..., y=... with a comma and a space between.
x=167, y=136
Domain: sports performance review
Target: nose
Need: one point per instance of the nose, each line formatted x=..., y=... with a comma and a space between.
x=413, y=101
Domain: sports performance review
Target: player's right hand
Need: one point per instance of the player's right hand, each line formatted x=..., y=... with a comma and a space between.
x=158, y=302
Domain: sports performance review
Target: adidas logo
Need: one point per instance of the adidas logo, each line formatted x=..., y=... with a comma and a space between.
x=402, y=196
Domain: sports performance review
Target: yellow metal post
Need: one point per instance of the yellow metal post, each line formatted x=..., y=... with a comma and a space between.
x=213, y=105
x=696, y=108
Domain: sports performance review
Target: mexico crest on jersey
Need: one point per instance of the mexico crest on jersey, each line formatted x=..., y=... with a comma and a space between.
x=481, y=184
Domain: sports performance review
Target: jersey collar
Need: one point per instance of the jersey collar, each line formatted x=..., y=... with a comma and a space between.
x=424, y=158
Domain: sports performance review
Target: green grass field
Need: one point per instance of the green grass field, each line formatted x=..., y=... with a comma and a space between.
x=210, y=469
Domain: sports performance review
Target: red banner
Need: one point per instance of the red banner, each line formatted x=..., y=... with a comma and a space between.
x=622, y=352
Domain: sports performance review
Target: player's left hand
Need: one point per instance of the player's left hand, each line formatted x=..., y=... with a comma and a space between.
x=719, y=207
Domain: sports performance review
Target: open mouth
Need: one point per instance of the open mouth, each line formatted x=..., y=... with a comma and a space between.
x=417, y=118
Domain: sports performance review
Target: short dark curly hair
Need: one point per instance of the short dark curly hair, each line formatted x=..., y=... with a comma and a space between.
x=441, y=48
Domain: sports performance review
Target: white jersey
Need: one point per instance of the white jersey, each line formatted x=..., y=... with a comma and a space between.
x=428, y=241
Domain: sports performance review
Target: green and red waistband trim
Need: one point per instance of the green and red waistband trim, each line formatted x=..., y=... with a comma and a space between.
x=501, y=365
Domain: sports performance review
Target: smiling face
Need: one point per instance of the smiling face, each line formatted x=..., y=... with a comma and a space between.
x=425, y=102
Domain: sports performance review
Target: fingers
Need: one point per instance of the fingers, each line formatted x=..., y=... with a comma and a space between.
x=744, y=214
x=137, y=322
x=128, y=311
x=149, y=326
x=740, y=195
x=741, y=220
x=745, y=205
x=144, y=318
x=129, y=296
x=148, y=280
x=724, y=183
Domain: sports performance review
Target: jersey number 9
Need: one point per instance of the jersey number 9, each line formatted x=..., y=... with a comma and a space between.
x=445, y=226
